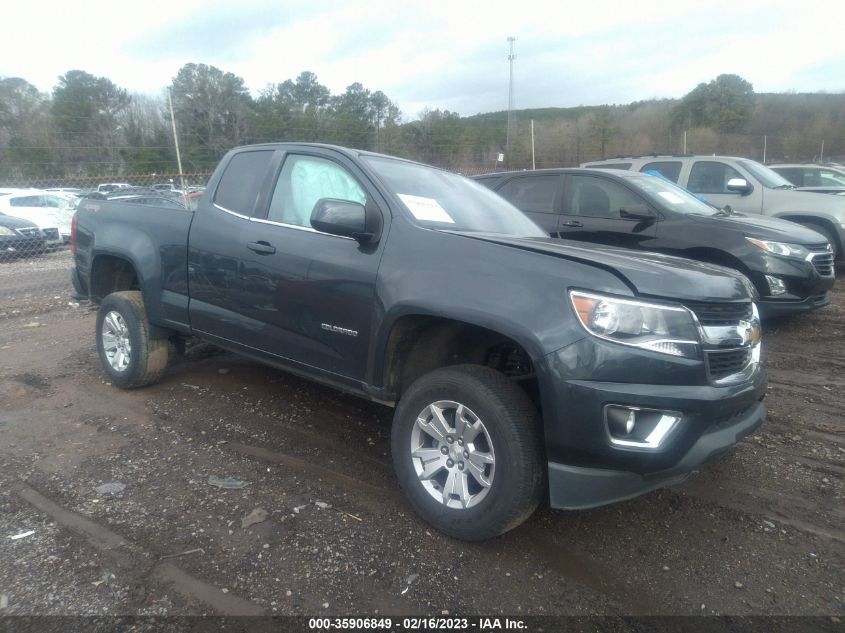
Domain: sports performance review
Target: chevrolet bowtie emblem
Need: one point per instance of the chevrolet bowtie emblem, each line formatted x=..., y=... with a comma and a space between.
x=749, y=332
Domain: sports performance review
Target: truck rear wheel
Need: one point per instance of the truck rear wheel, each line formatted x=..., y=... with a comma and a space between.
x=129, y=356
x=467, y=449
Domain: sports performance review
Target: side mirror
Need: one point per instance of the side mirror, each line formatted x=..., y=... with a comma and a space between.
x=346, y=219
x=637, y=212
x=740, y=186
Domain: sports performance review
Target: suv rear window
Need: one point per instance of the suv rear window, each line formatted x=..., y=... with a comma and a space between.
x=241, y=182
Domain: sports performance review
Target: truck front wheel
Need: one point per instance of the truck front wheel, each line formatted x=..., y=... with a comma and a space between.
x=467, y=449
x=128, y=354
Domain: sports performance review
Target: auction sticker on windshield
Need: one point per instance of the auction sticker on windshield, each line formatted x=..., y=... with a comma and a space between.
x=670, y=197
x=426, y=209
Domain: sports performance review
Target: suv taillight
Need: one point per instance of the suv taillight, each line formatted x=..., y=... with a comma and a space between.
x=73, y=234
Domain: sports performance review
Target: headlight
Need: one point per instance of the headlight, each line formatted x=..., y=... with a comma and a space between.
x=780, y=248
x=659, y=328
x=6, y=231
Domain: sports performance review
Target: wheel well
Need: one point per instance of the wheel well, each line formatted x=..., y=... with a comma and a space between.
x=420, y=344
x=111, y=274
x=826, y=224
x=715, y=256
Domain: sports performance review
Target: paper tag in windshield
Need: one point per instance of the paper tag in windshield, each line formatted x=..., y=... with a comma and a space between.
x=670, y=197
x=426, y=209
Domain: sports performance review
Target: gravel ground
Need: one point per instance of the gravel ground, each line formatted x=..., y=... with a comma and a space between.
x=33, y=285
x=759, y=532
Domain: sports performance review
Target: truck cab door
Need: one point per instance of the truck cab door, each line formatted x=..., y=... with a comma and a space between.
x=594, y=211
x=709, y=179
x=309, y=296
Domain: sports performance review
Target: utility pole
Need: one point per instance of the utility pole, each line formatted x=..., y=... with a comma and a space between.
x=533, y=164
x=178, y=155
x=821, y=154
x=511, y=57
x=685, y=142
x=764, y=148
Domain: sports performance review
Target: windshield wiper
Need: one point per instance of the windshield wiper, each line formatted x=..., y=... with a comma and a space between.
x=786, y=187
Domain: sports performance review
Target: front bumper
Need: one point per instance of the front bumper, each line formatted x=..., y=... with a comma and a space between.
x=577, y=383
x=774, y=308
x=805, y=288
x=576, y=488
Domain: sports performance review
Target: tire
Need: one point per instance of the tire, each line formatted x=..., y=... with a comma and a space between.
x=510, y=433
x=129, y=356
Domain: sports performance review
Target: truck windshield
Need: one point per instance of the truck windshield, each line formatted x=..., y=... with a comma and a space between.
x=437, y=199
x=667, y=195
x=768, y=177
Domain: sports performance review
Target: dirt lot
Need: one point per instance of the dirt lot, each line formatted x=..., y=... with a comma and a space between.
x=759, y=532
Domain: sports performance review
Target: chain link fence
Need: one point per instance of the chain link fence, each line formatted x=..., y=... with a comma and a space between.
x=35, y=221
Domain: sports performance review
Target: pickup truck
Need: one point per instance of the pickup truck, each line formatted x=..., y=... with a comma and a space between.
x=745, y=186
x=520, y=366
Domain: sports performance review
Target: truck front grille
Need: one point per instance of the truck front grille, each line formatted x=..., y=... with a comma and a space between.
x=721, y=313
x=51, y=234
x=822, y=259
x=29, y=232
x=721, y=364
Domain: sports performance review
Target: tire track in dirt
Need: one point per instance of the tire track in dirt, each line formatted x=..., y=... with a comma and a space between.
x=133, y=560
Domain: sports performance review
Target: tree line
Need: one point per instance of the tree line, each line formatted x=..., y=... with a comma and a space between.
x=90, y=126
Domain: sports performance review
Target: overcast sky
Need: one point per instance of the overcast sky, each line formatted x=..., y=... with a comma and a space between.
x=449, y=55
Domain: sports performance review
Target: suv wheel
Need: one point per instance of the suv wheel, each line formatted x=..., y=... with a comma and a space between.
x=128, y=354
x=467, y=449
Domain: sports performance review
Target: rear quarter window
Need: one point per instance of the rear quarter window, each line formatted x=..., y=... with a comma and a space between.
x=241, y=181
x=531, y=193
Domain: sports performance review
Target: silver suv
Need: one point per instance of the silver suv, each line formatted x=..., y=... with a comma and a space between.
x=747, y=187
x=823, y=178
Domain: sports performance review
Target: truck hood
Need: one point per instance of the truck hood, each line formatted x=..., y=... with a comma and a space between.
x=646, y=274
x=764, y=228
x=834, y=190
x=796, y=200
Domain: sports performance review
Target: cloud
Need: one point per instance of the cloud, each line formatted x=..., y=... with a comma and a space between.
x=448, y=55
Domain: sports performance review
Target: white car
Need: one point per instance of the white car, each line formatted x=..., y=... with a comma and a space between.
x=50, y=212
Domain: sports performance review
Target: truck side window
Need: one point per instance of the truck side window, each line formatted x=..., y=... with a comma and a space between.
x=670, y=169
x=598, y=198
x=303, y=181
x=241, y=182
x=708, y=176
x=531, y=193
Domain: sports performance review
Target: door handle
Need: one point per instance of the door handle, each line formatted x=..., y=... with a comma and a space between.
x=572, y=223
x=262, y=248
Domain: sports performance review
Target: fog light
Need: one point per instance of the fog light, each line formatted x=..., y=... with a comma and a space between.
x=621, y=421
x=776, y=286
x=637, y=427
